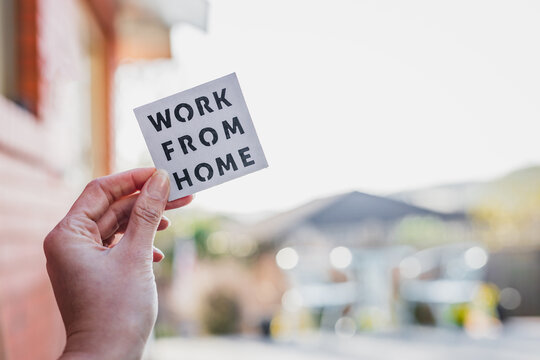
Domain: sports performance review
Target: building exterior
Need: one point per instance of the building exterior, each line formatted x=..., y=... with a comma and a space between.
x=55, y=130
x=357, y=220
x=341, y=255
x=56, y=64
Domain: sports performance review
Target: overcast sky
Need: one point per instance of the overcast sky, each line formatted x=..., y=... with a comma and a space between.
x=378, y=96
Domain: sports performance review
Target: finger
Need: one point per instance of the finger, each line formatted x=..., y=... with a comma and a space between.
x=102, y=192
x=157, y=255
x=118, y=213
x=116, y=216
x=109, y=239
x=147, y=211
x=178, y=203
x=164, y=223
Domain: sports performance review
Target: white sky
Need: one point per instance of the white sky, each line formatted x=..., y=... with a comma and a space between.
x=378, y=96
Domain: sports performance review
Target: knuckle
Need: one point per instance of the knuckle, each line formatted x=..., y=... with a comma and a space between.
x=50, y=242
x=47, y=244
x=76, y=225
x=147, y=213
x=97, y=184
x=66, y=229
x=94, y=183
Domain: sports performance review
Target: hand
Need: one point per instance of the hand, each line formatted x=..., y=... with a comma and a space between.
x=103, y=282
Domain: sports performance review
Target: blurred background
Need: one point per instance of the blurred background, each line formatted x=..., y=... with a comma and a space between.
x=400, y=214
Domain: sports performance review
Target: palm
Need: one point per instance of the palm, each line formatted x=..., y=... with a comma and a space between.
x=99, y=258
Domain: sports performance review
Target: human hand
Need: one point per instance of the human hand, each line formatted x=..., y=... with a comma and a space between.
x=103, y=282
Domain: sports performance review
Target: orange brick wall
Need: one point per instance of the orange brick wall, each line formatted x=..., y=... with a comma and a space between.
x=33, y=193
x=32, y=200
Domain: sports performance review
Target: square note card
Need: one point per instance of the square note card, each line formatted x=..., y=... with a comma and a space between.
x=202, y=137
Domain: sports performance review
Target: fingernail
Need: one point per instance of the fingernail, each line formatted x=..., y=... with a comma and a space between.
x=158, y=186
x=158, y=251
x=157, y=254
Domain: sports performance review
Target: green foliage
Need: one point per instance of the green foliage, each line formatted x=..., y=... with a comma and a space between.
x=200, y=227
x=162, y=330
x=201, y=230
x=221, y=313
x=423, y=315
x=426, y=231
x=456, y=314
x=508, y=209
x=189, y=225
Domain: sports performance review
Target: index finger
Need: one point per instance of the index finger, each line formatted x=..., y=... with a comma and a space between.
x=102, y=192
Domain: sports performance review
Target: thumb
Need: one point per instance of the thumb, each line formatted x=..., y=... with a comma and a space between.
x=147, y=210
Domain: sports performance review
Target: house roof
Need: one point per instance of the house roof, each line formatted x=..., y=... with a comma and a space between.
x=349, y=208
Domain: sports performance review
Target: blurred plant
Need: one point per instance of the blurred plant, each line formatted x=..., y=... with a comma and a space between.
x=285, y=324
x=456, y=314
x=372, y=318
x=477, y=316
x=163, y=329
x=423, y=315
x=426, y=231
x=194, y=225
x=482, y=319
x=201, y=230
x=221, y=313
x=508, y=210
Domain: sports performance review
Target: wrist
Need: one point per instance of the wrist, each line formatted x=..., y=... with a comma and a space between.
x=84, y=346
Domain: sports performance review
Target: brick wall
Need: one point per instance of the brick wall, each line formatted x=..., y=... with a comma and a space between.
x=33, y=199
x=33, y=192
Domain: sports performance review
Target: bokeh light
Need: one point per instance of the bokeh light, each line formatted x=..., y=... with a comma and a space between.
x=510, y=298
x=292, y=300
x=345, y=327
x=287, y=258
x=340, y=257
x=410, y=267
x=476, y=257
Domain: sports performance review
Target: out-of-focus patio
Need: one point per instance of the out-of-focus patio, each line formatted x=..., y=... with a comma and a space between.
x=519, y=341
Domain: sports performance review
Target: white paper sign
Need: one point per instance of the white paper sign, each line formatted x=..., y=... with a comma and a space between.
x=203, y=136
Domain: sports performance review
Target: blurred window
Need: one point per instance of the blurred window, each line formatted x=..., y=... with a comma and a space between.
x=8, y=53
x=84, y=101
